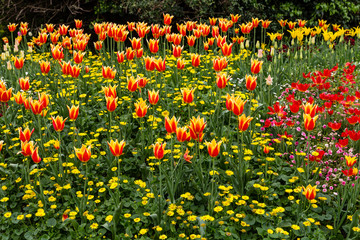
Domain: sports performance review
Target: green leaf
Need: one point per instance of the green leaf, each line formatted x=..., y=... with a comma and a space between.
x=51, y=222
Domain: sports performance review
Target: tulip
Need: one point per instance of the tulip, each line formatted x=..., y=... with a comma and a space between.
x=27, y=148
x=350, y=172
x=54, y=37
x=310, y=109
x=19, y=98
x=132, y=84
x=187, y=157
x=56, y=144
x=159, y=150
x=250, y=82
x=244, y=122
x=25, y=135
x=139, y=52
x=149, y=63
x=36, y=106
x=191, y=40
x=334, y=126
x=309, y=122
x=221, y=80
x=12, y=27
x=160, y=64
x=1, y=145
x=235, y=18
x=44, y=67
x=177, y=39
x=19, y=62
x=177, y=51
x=120, y=57
x=182, y=135
x=229, y=102
x=63, y=29
x=58, y=123
x=24, y=83
x=153, y=45
x=213, y=148
x=130, y=54
x=65, y=67
x=35, y=155
x=83, y=154
x=141, y=108
x=57, y=52
x=355, y=136
x=219, y=64
x=135, y=43
x=350, y=161
x=153, y=97
x=98, y=45
x=44, y=98
x=75, y=71
x=142, y=81
x=213, y=21
x=188, y=95
x=108, y=73
x=256, y=66
x=73, y=112
x=265, y=23
x=171, y=124
x=237, y=106
x=78, y=57
x=116, y=147
x=5, y=95
x=78, y=23
x=111, y=103
x=180, y=64
x=167, y=19
x=197, y=125
x=226, y=49
x=309, y=192
x=266, y=149
x=195, y=60
x=110, y=91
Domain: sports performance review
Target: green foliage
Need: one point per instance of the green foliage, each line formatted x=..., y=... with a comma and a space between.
x=336, y=11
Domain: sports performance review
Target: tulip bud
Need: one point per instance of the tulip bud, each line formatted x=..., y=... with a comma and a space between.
x=292, y=42
x=257, y=45
x=295, y=57
x=288, y=53
x=9, y=65
x=247, y=44
x=272, y=51
x=3, y=56
x=313, y=40
x=301, y=55
x=341, y=39
x=275, y=61
x=275, y=45
x=269, y=70
x=242, y=45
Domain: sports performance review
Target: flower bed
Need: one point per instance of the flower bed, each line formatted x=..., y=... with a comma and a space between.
x=167, y=140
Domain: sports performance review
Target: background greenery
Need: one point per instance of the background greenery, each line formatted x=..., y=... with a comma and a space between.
x=37, y=12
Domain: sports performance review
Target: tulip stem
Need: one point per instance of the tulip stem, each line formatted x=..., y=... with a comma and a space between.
x=41, y=190
x=84, y=192
x=118, y=164
x=61, y=169
x=109, y=133
x=160, y=195
x=41, y=141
